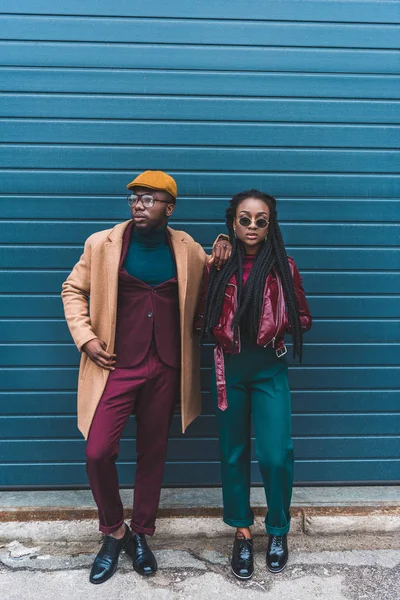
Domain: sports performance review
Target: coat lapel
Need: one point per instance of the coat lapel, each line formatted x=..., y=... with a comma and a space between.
x=113, y=255
x=180, y=248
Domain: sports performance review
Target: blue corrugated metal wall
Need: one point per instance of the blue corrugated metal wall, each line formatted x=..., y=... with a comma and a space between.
x=300, y=99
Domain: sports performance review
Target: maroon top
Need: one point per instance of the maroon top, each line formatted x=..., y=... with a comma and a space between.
x=146, y=314
x=248, y=263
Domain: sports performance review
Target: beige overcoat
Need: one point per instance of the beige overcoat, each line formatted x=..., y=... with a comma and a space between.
x=96, y=276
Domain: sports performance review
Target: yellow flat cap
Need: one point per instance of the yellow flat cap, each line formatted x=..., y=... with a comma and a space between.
x=156, y=180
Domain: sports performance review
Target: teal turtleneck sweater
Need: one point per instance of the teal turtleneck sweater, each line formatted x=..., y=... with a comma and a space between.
x=149, y=257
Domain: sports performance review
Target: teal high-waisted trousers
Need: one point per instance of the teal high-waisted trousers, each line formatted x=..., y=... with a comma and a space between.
x=258, y=391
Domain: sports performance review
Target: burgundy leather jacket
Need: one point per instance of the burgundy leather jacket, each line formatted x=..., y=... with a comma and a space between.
x=274, y=322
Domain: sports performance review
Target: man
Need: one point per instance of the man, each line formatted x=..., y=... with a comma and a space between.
x=138, y=353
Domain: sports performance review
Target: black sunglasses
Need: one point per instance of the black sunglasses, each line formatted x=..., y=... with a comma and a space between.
x=261, y=222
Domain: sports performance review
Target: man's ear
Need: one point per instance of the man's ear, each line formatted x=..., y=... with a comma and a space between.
x=170, y=209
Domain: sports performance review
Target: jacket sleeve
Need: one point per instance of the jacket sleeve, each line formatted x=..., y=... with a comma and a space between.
x=199, y=316
x=75, y=296
x=305, y=315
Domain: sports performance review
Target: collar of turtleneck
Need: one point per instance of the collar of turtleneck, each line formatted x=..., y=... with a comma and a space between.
x=149, y=257
x=153, y=239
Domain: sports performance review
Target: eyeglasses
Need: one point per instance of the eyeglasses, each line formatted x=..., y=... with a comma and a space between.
x=261, y=223
x=146, y=199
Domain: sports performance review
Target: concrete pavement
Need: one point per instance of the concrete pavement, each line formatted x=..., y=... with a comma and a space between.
x=344, y=545
x=351, y=567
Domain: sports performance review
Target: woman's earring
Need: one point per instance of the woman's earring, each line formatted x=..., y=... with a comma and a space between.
x=265, y=239
x=234, y=232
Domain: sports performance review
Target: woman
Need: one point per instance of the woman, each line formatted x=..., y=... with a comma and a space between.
x=249, y=306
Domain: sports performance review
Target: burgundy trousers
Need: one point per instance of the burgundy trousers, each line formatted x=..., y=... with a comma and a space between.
x=150, y=390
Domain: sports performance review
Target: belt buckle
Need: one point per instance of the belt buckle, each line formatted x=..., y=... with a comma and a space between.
x=281, y=352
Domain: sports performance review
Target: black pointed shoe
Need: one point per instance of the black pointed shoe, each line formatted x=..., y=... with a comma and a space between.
x=277, y=553
x=242, y=562
x=106, y=562
x=143, y=560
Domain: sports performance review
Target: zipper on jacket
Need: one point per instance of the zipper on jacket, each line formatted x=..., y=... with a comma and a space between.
x=236, y=300
x=271, y=340
x=279, y=319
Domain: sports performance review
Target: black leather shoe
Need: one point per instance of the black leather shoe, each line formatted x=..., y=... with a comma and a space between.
x=242, y=562
x=106, y=562
x=277, y=553
x=143, y=560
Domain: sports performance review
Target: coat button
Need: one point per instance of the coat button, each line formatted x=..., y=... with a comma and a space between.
x=150, y=314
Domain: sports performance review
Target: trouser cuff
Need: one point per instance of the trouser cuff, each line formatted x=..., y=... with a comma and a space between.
x=239, y=522
x=277, y=530
x=146, y=530
x=108, y=530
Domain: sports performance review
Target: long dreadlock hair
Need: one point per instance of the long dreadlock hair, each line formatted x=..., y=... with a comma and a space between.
x=272, y=256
